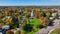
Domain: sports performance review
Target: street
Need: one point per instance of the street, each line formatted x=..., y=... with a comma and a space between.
x=48, y=28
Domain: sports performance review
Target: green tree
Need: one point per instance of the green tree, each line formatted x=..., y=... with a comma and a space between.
x=47, y=14
x=28, y=28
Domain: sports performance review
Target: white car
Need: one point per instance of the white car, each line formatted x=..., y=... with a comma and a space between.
x=7, y=16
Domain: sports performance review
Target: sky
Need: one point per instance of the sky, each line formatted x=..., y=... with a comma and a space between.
x=29, y=2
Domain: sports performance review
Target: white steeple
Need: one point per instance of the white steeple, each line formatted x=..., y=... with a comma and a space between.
x=32, y=14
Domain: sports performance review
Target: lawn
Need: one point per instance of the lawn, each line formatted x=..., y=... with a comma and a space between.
x=56, y=31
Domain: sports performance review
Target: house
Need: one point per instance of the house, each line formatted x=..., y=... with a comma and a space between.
x=59, y=16
x=6, y=27
x=51, y=18
x=48, y=21
x=53, y=14
x=13, y=30
x=41, y=18
x=18, y=28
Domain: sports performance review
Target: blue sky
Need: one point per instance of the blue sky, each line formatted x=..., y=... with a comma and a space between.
x=29, y=2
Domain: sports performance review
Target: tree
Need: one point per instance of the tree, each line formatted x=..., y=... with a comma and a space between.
x=44, y=14
x=9, y=32
x=47, y=14
x=28, y=28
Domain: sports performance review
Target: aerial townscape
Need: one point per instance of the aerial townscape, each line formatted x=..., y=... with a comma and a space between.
x=29, y=20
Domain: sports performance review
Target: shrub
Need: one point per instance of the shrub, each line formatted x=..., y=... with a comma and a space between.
x=28, y=28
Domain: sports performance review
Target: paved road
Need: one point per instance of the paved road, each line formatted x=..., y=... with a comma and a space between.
x=46, y=30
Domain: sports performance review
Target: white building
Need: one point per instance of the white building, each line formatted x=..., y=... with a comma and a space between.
x=51, y=17
x=53, y=14
x=5, y=27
